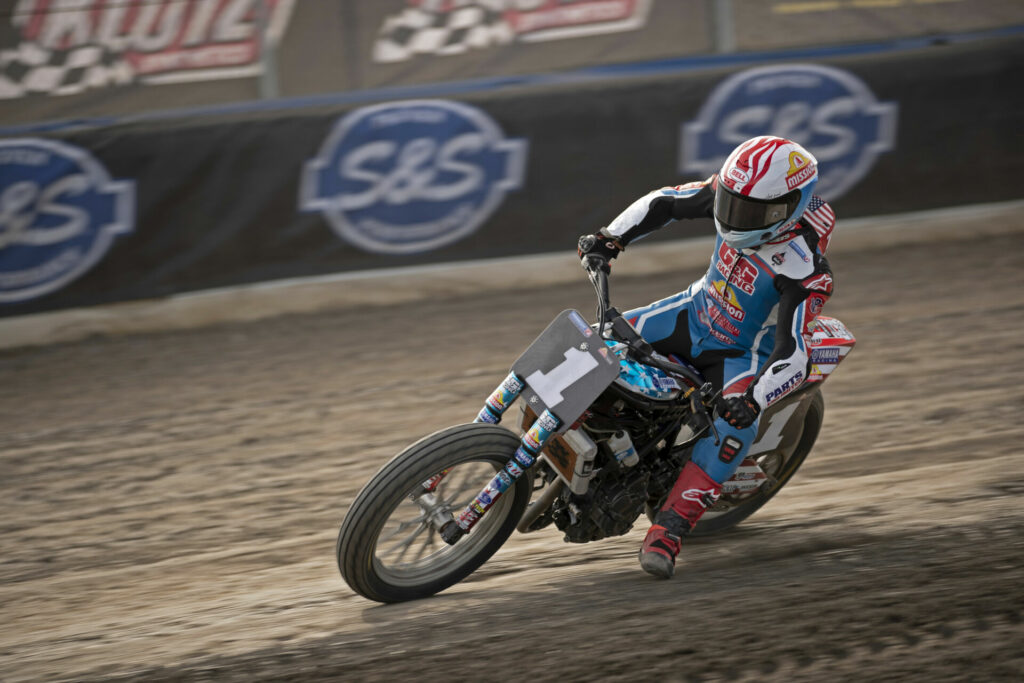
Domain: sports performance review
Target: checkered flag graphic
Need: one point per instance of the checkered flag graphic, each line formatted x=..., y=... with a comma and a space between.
x=418, y=31
x=30, y=69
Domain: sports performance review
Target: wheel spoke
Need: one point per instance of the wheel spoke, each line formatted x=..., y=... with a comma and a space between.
x=428, y=542
x=404, y=543
x=403, y=549
x=402, y=526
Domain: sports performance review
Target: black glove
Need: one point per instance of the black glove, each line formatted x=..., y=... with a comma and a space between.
x=595, y=251
x=739, y=411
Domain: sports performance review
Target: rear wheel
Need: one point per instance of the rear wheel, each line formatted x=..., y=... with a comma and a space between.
x=389, y=548
x=780, y=465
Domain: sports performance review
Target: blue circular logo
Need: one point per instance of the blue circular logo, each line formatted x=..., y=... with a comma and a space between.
x=59, y=214
x=412, y=176
x=829, y=111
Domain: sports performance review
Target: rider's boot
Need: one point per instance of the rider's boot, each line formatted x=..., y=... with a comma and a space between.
x=694, y=492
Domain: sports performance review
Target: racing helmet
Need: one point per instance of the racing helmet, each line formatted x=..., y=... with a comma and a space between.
x=762, y=190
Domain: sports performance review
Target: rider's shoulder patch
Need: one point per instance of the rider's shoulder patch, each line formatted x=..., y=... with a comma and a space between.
x=792, y=258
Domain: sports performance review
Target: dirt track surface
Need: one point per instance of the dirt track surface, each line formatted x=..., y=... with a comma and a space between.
x=169, y=502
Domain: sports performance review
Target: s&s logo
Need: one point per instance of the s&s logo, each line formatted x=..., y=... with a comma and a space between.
x=408, y=177
x=829, y=111
x=59, y=213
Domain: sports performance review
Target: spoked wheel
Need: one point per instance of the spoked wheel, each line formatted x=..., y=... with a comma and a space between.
x=389, y=547
x=780, y=465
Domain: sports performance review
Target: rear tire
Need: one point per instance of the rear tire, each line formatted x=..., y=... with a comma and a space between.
x=713, y=523
x=375, y=564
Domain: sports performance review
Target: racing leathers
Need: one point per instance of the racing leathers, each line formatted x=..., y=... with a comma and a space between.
x=744, y=325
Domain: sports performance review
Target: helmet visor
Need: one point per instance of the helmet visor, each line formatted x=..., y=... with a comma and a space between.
x=746, y=213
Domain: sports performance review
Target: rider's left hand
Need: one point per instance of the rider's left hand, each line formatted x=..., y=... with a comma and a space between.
x=739, y=411
x=595, y=251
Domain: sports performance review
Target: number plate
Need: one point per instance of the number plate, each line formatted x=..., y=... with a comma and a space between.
x=566, y=368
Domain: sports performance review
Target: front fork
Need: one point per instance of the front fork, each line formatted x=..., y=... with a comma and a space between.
x=525, y=456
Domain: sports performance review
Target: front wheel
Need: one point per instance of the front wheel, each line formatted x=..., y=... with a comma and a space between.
x=389, y=548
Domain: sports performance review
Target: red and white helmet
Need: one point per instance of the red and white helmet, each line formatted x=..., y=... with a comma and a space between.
x=762, y=190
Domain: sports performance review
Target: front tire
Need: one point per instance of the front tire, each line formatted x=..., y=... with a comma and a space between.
x=389, y=549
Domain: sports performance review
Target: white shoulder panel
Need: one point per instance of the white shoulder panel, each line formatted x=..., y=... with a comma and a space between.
x=792, y=258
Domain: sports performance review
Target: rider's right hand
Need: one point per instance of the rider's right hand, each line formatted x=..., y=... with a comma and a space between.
x=595, y=251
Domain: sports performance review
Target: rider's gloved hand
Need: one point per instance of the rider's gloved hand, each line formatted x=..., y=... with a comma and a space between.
x=739, y=411
x=595, y=251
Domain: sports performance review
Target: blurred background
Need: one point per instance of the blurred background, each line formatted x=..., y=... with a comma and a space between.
x=153, y=147
x=191, y=170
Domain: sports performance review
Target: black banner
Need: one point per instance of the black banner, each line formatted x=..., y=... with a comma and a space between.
x=149, y=209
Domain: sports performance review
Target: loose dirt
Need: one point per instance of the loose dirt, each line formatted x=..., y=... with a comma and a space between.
x=169, y=501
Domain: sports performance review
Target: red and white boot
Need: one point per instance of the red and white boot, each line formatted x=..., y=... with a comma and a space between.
x=694, y=492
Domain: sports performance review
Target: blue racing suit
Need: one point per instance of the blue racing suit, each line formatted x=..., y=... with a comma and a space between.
x=745, y=324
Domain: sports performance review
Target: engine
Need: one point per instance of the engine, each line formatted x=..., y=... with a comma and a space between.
x=617, y=493
x=611, y=506
x=616, y=497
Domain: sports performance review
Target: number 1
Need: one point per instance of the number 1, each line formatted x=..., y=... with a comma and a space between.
x=551, y=385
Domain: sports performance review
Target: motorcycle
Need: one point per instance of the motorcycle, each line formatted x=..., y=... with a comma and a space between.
x=606, y=425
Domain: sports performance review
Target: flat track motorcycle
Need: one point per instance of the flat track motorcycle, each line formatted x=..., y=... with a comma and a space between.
x=606, y=425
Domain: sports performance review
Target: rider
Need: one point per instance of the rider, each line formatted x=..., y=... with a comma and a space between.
x=745, y=324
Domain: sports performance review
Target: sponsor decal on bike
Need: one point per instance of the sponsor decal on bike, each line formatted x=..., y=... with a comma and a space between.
x=541, y=431
x=59, y=214
x=68, y=47
x=580, y=323
x=505, y=394
x=486, y=416
x=830, y=327
x=524, y=458
x=727, y=298
x=827, y=110
x=513, y=384
x=513, y=468
x=506, y=480
x=825, y=356
x=779, y=257
x=409, y=177
x=531, y=441
x=548, y=421
x=467, y=518
x=453, y=27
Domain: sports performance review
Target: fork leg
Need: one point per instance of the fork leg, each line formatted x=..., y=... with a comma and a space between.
x=525, y=456
x=494, y=407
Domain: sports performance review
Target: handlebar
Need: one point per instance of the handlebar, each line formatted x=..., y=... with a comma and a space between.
x=613, y=327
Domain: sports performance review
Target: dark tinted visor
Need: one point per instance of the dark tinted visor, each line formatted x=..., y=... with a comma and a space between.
x=745, y=213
